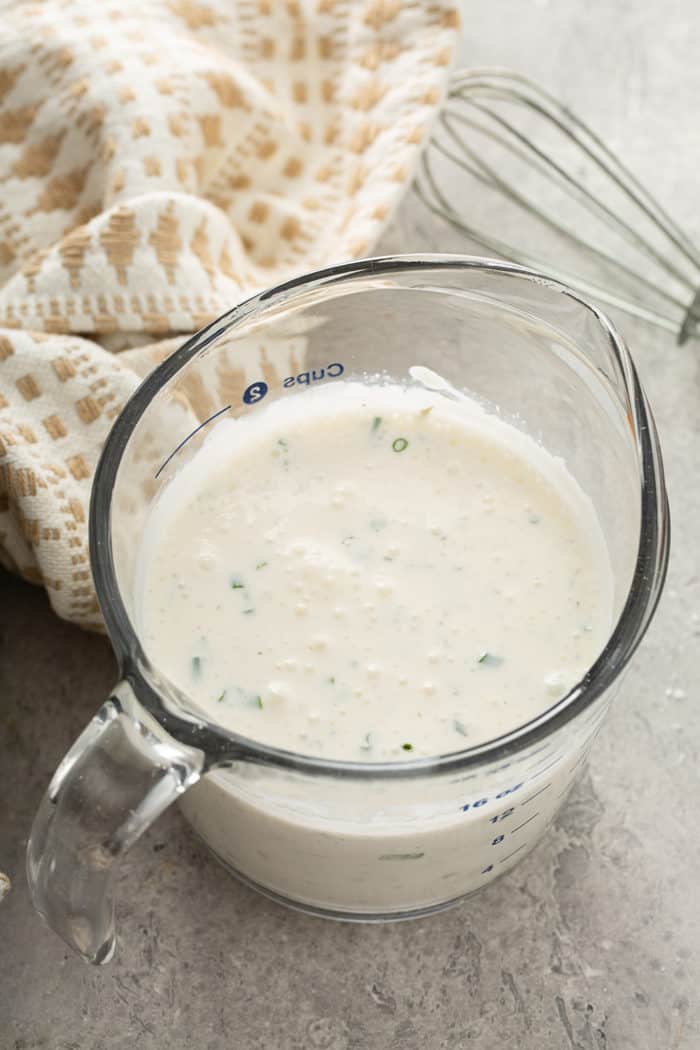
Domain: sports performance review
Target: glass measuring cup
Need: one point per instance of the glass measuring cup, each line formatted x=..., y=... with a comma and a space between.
x=364, y=841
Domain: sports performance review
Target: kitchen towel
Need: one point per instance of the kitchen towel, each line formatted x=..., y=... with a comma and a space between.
x=160, y=160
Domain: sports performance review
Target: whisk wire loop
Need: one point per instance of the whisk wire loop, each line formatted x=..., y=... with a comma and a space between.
x=496, y=109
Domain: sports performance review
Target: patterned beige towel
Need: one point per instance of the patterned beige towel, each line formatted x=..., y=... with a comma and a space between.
x=160, y=159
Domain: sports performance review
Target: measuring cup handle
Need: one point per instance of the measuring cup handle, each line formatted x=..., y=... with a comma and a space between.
x=118, y=777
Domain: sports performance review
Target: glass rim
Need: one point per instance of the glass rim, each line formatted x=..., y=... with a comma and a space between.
x=222, y=746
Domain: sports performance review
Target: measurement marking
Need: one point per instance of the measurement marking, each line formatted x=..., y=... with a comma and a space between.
x=185, y=440
x=536, y=794
x=513, y=853
x=513, y=830
x=537, y=751
x=545, y=768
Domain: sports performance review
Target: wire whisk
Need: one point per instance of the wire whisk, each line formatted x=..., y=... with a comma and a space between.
x=528, y=164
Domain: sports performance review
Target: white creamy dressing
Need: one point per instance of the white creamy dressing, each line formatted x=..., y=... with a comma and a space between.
x=373, y=573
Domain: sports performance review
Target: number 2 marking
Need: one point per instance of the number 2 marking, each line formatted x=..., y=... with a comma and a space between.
x=255, y=392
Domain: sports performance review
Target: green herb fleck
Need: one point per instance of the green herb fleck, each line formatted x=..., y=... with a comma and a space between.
x=399, y=444
x=259, y=703
x=247, y=612
x=489, y=659
x=332, y=679
x=236, y=584
x=460, y=727
x=283, y=444
x=196, y=665
x=534, y=519
x=366, y=744
x=377, y=524
x=587, y=627
x=261, y=565
x=376, y=422
x=407, y=747
x=221, y=696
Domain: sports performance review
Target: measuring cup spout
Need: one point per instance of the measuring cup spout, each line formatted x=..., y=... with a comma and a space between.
x=118, y=777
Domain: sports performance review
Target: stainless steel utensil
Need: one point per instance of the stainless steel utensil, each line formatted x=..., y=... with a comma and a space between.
x=536, y=174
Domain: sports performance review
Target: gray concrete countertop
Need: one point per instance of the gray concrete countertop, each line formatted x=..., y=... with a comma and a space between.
x=593, y=942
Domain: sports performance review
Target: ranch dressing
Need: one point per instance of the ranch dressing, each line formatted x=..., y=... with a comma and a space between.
x=373, y=573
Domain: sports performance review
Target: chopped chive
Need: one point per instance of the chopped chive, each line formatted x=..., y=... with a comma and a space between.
x=407, y=747
x=534, y=519
x=460, y=727
x=196, y=665
x=261, y=565
x=332, y=679
x=236, y=584
x=221, y=696
x=376, y=422
x=366, y=744
x=490, y=659
x=258, y=701
x=399, y=444
x=282, y=444
x=247, y=612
